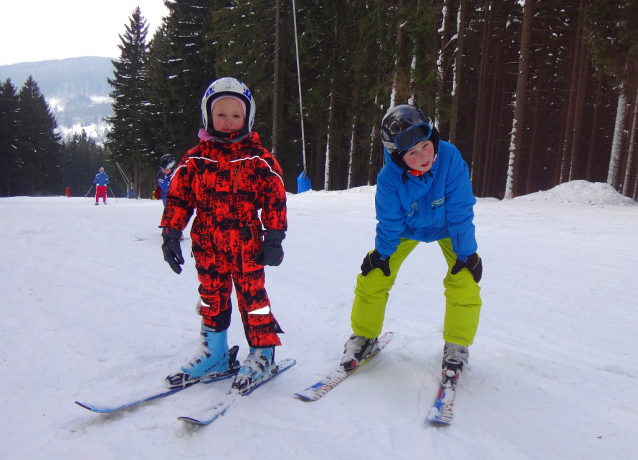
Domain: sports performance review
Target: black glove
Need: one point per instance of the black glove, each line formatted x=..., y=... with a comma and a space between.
x=373, y=260
x=271, y=252
x=473, y=264
x=171, y=249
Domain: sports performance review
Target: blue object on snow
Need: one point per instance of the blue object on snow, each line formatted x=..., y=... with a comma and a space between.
x=303, y=182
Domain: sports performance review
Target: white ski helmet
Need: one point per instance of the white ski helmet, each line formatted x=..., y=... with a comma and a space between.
x=230, y=87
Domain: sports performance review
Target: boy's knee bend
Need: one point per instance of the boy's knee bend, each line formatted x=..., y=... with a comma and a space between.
x=214, y=306
x=218, y=323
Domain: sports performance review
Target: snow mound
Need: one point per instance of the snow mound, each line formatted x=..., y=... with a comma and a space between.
x=581, y=192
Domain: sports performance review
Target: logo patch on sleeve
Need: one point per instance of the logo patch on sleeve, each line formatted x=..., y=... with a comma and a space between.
x=438, y=203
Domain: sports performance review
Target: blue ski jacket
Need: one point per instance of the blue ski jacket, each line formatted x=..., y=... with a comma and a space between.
x=426, y=208
x=163, y=181
x=101, y=179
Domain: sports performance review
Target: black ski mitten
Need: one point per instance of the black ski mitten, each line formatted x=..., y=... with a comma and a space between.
x=172, y=249
x=373, y=260
x=271, y=252
x=473, y=264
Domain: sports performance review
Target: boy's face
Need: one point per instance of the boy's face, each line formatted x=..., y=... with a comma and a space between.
x=228, y=115
x=167, y=171
x=421, y=156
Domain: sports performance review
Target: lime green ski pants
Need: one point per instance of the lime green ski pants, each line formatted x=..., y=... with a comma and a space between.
x=462, y=297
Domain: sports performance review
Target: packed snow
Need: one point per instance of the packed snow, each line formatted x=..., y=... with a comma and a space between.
x=92, y=313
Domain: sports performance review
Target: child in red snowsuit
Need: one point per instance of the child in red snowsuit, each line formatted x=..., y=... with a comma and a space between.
x=228, y=178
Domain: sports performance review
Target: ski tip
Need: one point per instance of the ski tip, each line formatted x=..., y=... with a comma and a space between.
x=99, y=410
x=190, y=420
x=438, y=421
x=83, y=405
x=305, y=398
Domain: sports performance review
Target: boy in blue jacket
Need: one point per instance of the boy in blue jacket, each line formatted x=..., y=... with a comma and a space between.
x=164, y=176
x=423, y=194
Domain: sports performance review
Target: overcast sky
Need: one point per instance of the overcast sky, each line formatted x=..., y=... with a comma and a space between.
x=39, y=30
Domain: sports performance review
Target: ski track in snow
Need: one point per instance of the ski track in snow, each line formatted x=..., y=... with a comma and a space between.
x=91, y=312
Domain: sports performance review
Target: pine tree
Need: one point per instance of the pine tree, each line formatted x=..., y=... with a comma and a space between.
x=611, y=31
x=9, y=112
x=189, y=69
x=39, y=143
x=130, y=133
x=158, y=97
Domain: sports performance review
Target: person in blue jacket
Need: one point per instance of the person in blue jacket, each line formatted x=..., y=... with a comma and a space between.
x=423, y=194
x=101, y=180
x=164, y=176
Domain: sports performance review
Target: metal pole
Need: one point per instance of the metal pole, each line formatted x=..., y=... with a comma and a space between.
x=87, y=193
x=126, y=180
x=303, y=138
x=113, y=194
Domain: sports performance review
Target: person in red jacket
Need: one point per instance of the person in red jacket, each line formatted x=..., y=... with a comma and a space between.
x=236, y=186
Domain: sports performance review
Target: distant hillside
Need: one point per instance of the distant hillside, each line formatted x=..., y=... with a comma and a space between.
x=76, y=90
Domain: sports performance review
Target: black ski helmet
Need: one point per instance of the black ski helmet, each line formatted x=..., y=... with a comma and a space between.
x=167, y=162
x=402, y=128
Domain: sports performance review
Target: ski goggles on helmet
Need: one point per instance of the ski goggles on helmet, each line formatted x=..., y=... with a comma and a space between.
x=412, y=136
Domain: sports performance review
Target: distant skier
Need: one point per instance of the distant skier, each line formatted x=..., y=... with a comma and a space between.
x=423, y=194
x=164, y=176
x=68, y=192
x=229, y=177
x=101, y=181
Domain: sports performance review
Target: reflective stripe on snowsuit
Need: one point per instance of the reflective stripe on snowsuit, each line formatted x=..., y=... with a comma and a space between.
x=462, y=297
x=228, y=183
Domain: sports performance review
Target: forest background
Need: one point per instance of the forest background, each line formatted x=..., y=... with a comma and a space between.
x=534, y=93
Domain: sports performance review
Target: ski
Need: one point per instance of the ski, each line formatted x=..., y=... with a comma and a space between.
x=334, y=378
x=220, y=407
x=161, y=393
x=441, y=412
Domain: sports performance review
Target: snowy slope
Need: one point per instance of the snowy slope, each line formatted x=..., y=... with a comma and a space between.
x=90, y=311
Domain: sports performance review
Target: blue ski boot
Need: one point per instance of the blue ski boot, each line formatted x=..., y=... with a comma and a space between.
x=211, y=360
x=257, y=365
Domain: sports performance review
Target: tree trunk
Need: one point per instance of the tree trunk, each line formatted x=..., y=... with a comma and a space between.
x=593, y=140
x=561, y=143
x=443, y=60
x=456, y=86
x=531, y=185
x=478, y=153
x=580, y=106
x=626, y=186
x=616, y=145
x=353, y=135
x=136, y=180
x=326, y=174
x=401, y=84
x=565, y=159
x=518, y=124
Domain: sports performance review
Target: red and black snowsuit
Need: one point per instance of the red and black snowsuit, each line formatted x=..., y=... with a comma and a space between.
x=228, y=183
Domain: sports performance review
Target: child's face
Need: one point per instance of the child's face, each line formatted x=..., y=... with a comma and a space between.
x=421, y=156
x=228, y=115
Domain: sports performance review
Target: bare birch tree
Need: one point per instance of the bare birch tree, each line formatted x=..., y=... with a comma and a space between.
x=511, y=187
